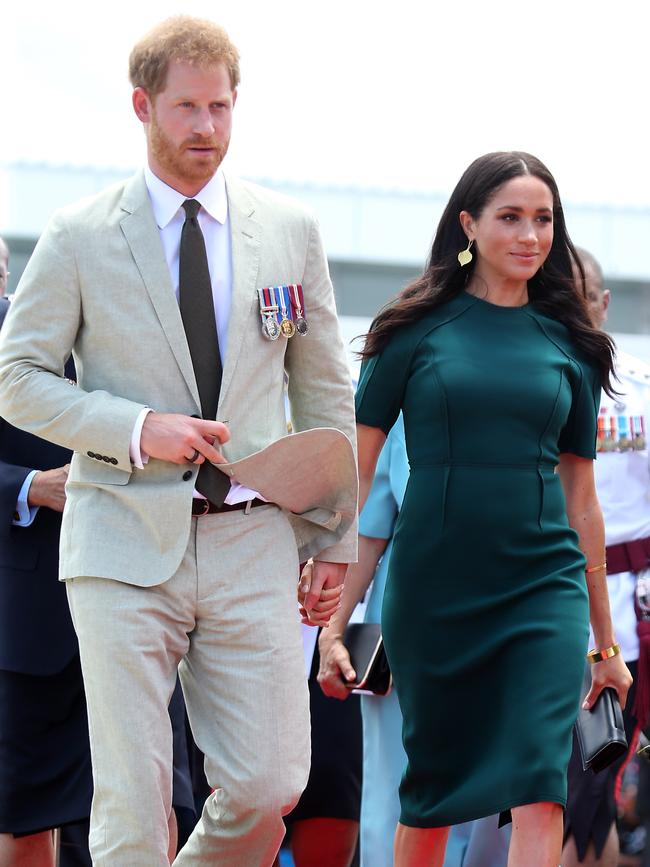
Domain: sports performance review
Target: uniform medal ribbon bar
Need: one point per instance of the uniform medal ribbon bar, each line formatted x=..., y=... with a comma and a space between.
x=298, y=305
x=268, y=312
x=282, y=310
x=283, y=301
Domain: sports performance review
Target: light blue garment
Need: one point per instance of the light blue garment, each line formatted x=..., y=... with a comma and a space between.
x=480, y=843
x=384, y=758
x=473, y=844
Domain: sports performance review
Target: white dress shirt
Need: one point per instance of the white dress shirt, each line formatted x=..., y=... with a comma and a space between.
x=167, y=204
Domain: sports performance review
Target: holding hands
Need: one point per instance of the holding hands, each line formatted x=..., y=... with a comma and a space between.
x=319, y=591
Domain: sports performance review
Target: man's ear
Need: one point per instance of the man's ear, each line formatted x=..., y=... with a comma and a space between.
x=607, y=297
x=142, y=104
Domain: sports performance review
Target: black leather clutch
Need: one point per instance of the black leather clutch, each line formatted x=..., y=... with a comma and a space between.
x=600, y=731
x=368, y=657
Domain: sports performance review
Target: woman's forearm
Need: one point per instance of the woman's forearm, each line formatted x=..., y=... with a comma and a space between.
x=589, y=526
x=357, y=581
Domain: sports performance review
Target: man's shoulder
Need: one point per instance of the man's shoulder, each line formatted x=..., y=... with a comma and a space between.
x=267, y=201
x=101, y=205
x=632, y=369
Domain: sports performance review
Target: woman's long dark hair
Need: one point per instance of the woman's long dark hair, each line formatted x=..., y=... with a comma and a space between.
x=553, y=290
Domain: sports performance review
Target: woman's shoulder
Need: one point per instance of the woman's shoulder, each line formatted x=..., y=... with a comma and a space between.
x=562, y=337
x=411, y=334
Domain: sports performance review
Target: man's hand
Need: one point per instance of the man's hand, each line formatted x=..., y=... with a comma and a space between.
x=319, y=591
x=335, y=669
x=175, y=438
x=48, y=488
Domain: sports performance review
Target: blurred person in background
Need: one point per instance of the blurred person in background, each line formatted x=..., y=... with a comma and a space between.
x=4, y=267
x=622, y=478
x=45, y=773
x=323, y=827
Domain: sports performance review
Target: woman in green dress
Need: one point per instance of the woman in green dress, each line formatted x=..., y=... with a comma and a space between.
x=498, y=557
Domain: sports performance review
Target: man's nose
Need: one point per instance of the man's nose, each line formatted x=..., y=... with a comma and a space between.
x=204, y=124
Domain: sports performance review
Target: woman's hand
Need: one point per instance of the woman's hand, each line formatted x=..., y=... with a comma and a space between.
x=335, y=674
x=327, y=601
x=609, y=672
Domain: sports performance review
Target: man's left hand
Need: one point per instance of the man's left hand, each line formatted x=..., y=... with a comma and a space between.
x=319, y=591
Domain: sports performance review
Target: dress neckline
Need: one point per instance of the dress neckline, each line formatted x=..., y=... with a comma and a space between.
x=493, y=306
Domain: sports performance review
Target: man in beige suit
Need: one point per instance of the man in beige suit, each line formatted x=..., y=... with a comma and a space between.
x=167, y=561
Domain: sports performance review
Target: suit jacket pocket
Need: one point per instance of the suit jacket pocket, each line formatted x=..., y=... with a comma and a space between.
x=326, y=518
x=24, y=558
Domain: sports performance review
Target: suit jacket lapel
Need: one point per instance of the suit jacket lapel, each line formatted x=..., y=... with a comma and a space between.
x=246, y=242
x=142, y=235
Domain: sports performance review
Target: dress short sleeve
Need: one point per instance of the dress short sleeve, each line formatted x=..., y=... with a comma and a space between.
x=377, y=518
x=578, y=436
x=382, y=382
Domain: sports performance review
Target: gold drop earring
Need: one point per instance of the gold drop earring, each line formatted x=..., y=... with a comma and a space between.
x=465, y=256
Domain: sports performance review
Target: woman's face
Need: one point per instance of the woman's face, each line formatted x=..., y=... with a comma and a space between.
x=514, y=233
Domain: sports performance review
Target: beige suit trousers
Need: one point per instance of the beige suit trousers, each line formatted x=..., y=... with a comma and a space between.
x=228, y=619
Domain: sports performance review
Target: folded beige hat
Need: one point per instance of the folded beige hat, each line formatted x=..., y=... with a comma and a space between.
x=312, y=474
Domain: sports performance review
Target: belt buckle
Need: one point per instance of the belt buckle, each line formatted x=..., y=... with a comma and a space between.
x=206, y=507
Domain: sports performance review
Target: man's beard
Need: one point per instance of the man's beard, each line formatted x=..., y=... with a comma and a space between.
x=177, y=163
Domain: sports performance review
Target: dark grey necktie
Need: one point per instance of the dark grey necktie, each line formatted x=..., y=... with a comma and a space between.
x=197, y=311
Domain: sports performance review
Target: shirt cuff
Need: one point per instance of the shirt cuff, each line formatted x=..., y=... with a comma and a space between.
x=25, y=514
x=138, y=457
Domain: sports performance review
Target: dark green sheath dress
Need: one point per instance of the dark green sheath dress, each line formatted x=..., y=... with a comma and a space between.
x=485, y=615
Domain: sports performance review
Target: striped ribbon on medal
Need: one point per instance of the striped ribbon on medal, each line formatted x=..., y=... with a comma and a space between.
x=298, y=305
x=268, y=313
x=283, y=300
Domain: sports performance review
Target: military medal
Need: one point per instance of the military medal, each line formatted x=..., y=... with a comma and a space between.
x=297, y=303
x=618, y=432
x=268, y=312
x=271, y=328
x=287, y=327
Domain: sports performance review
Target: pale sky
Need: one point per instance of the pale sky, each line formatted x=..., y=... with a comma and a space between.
x=356, y=92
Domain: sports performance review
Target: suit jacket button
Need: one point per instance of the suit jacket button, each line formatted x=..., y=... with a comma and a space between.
x=114, y=461
x=98, y=457
x=91, y=454
x=187, y=475
x=106, y=459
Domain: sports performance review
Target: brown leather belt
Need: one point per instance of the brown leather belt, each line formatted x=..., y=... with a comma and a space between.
x=202, y=507
x=628, y=556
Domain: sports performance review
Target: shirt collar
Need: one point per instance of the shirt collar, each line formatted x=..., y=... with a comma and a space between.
x=166, y=201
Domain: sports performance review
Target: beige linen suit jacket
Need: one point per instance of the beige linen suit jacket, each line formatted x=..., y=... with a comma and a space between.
x=98, y=286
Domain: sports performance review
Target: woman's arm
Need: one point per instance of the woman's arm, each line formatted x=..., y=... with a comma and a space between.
x=335, y=668
x=585, y=516
x=370, y=441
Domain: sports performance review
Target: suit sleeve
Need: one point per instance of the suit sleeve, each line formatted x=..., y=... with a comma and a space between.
x=42, y=327
x=11, y=481
x=319, y=379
